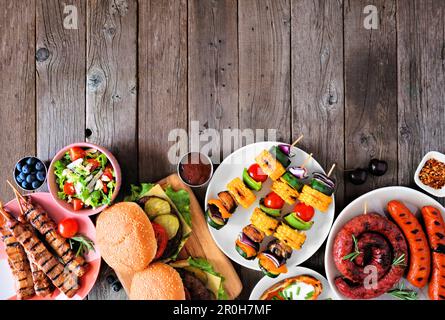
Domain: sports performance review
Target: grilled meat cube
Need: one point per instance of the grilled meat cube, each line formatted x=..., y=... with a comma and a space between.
x=253, y=233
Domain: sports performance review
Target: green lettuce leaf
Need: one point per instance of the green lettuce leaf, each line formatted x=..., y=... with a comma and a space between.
x=181, y=199
x=205, y=266
x=137, y=192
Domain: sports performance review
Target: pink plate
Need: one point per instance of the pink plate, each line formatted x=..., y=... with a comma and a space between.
x=86, y=227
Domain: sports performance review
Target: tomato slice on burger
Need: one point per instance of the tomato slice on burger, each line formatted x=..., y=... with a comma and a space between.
x=161, y=239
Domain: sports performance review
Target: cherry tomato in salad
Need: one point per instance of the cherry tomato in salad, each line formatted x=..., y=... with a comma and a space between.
x=105, y=189
x=161, y=239
x=108, y=172
x=68, y=189
x=273, y=201
x=256, y=173
x=76, y=153
x=68, y=228
x=94, y=164
x=77, y=204
x=304, y=212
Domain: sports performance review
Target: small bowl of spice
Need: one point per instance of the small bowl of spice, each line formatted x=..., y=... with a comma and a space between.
x=195, y=169
x=430, y=174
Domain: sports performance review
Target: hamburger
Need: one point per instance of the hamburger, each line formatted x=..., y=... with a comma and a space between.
x=191, y=279
x=126, y=237
x=169, y=213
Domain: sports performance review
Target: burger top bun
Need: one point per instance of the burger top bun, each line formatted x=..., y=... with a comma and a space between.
x=158, y=282
x=125, y=237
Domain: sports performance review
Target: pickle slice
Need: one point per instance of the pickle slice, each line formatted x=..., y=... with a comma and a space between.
x=170, y=223
x=156, y=206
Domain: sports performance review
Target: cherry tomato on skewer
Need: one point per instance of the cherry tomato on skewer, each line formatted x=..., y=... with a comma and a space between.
x=256, y=173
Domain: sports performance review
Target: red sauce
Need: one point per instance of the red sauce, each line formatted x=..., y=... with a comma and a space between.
x=195, y=169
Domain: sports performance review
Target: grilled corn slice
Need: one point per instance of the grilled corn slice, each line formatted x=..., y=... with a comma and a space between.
x=286, y=192
x=293, y=238
x=270, y=166
x=242, y=195
x=263, y=222
x=315, y=199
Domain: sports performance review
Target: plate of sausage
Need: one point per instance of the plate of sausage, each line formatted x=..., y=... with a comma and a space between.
x=388, y=244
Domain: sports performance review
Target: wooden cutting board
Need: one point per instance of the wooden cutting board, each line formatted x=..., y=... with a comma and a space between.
x=199, y=245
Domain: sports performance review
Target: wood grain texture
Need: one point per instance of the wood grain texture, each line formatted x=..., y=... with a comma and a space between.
x=317, y=89
x=264, y=79
x=370, y=93
x=264, y=66
x=17, y=86
x=162, y=83
x=421, y=83
x=60, y=84
x=111, y=105
x=213, y=68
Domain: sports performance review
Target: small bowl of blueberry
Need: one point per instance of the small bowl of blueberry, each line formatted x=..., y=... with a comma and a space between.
x=30, y=173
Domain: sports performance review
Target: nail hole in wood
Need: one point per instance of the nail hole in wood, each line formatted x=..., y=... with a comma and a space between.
x=42, y=54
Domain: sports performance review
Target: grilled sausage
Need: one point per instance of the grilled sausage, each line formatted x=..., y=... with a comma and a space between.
x=351, y=284
x=39, y=219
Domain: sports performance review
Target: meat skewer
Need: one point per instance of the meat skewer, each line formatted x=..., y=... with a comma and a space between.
x=19, y=264
x=39, y=219
x=42, y=284
x=64, y=280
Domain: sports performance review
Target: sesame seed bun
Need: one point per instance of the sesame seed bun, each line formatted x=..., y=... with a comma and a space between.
x=125, y=237
x=158, y=282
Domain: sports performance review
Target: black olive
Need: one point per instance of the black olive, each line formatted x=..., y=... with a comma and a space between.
x=378, y=167
x=110, y=279
x=117, y=286
x=358, y=176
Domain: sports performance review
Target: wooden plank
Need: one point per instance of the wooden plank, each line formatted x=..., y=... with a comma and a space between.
x=112, y=93
x=17, y=88
x=162, y=83
x=264, y=66
x=200, y=244
x=317, y=88
x=370, y=93
x=421, y=56
x=213, y=67
x=60, y=84
x=264, y=78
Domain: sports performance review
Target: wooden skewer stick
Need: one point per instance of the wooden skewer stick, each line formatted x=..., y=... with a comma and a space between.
x=306, y=161
x=296, y=141
x=331, y=170
x=17, y=193
x=6, y=215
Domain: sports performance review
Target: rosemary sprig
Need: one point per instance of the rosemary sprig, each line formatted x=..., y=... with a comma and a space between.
x=82, y=243
x=403, y=294
x=399, y=261
x=355, y=253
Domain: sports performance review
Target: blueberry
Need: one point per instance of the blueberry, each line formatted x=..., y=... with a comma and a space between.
x=26, y=169
x=31, y=178
x=30, y=161
x=117, y=287
x=19, y=179
x=22, y=176
x=25, y=185
x=41, y=176
x=110, y=279
x=19, y=167
x=39, y=166
x=36, y=184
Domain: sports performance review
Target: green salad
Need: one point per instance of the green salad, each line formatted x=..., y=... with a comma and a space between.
x=86, y=178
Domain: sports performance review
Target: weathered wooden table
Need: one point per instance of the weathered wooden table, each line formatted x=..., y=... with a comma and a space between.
x=124, y=73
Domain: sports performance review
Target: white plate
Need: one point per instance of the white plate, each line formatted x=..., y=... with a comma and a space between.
x=233, y=167
x=267, y=282
x=430, y=155
x=376, y=202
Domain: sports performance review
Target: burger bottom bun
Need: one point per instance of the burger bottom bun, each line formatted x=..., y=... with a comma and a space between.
x=125, y=237
x=158, y=282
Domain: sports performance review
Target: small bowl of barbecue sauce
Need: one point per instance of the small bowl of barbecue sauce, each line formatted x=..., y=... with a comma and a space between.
x=195, y=169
